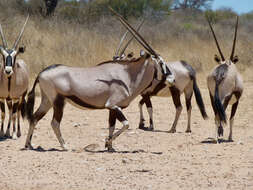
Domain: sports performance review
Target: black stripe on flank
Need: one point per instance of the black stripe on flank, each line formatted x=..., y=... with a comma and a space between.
x=81, y=103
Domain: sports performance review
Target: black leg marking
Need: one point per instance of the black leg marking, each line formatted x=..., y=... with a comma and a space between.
x=58, y=107
x=212, y=103
x=112, y=122
x=15, y=108
x=2, y=106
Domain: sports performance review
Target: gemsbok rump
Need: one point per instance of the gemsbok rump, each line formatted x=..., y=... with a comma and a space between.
x=110, y=85
x=14, y=79
x=185, y=82
x=225, y=86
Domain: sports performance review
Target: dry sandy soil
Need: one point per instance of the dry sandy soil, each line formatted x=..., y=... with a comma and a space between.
x=144, y=160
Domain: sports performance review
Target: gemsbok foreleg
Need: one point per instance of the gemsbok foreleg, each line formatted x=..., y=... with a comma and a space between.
x=177, y=102
x=9, y=105
x=14, y=117
x=2, y=106
x=146, y=99
x=115, y=113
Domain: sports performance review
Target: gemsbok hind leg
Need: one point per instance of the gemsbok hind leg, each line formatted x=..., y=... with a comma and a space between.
x=233, y=111
x=2, y=106
x=44, y=107
x=188, y=96
x=14, y=117
x=9, y=104
x=57, y=117
x=177, y=102
x=119, y=115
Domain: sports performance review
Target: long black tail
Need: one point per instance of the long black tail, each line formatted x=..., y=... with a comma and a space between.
x=199, y=99
x=30, y=102
x=218, y=105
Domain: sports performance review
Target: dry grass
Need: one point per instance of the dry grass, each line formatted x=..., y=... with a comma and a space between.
x=55, y=41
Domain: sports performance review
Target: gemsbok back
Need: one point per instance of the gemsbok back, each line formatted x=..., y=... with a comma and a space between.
x=185, y=82
x=225, y=86
x=14, y=79
x=110, y=85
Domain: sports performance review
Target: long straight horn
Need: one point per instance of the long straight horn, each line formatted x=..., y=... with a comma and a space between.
x=233, y=48
x=136, y=35
x=3, y=38
x=127, y=44
x=120, y=43
x=217, y=44
x=21, y=34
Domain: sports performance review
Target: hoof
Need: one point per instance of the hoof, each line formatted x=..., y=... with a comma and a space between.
x=14, y=136
x=108, y=143
x=230, y=139
x=172, y=131
x=141, y=126
x=149, y=129
x=111, y=149
x=1, y=134
x=28, y=147
x=19, y=134
x=188, y=131
x=220, y=131
x=7, y=135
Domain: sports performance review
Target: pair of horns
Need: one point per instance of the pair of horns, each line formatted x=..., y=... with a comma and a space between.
x=216, y=41
x=135, y=34
x=123, y=37
x=19, y=36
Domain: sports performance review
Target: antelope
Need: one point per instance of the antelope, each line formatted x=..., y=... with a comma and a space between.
x=225, y=86
x=110, y=85
x=185, y=82
x=14, y=79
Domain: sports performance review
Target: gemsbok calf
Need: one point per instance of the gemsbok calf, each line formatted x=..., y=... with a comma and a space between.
x=14, y=79
x=185, y=82
x=225, y=86
x=110, y=85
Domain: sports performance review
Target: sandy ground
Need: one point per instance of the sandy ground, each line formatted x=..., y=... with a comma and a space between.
x=144, y=160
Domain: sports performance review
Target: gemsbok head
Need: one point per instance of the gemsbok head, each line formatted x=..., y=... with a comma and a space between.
x=225, y=86
x=13, y=83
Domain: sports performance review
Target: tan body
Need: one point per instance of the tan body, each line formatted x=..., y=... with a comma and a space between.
x=109, y=86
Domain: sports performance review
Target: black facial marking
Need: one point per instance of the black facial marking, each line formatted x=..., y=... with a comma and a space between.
x=8, y=61
x=81, y=103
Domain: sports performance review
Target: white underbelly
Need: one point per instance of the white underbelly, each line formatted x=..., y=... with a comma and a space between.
x=165, y=92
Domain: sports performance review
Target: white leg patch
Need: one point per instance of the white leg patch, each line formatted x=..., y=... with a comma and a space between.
x=125, y=123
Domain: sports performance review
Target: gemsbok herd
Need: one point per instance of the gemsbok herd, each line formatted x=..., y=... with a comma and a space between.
x=113, y=85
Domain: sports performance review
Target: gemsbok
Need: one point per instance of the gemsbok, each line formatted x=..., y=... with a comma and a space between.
x=225, y=86
x=185, y=82
x=14, y=79
x=110, y=85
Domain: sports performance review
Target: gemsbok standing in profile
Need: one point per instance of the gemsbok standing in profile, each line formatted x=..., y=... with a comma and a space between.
x=225, y=86
x=110, y=85
x=14, y=80
x=185, y=82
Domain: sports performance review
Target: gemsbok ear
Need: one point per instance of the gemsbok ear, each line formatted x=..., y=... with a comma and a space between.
x=217, y=58
x=21, y=49
x=235, y=59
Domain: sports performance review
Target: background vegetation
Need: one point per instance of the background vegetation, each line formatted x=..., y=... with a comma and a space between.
x=84, y=33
